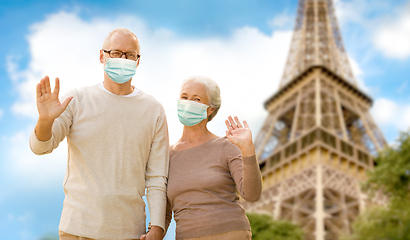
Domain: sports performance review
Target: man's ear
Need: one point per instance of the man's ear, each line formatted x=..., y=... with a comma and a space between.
x=138, y=61
x=101, y=56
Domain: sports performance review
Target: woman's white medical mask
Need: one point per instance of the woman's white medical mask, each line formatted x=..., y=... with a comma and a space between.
x=191, y=113
x=120, y=70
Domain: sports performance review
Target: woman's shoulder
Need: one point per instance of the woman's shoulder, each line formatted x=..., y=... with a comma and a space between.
x=172, y=149
x=178, y=146
x=228, y=146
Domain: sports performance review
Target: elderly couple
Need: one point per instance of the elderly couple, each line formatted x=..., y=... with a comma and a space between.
x=118, y=146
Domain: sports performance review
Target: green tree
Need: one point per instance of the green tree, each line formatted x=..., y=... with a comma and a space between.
x=392, y=173
x=264, y=227
x=391, y=177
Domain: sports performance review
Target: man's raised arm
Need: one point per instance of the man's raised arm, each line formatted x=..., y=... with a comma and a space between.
x=49, y=107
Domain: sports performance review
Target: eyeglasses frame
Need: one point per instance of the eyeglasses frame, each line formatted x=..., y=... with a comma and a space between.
x=122, y=53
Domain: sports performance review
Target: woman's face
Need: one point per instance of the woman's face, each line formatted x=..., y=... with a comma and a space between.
x=194, y=91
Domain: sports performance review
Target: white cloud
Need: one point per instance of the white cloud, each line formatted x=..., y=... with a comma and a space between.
x=358, y=74
x=389, y=29
x=350, y=11
x=1, y=113
x=392, y=36
x=389, y=113
x=384, y=111
x=247, y=65
x=31, y=171
x=12, y=67
x=282, y=20
x=359, y=11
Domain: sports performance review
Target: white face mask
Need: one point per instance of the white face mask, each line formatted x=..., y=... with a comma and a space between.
x=120, y=70
x=191, y=113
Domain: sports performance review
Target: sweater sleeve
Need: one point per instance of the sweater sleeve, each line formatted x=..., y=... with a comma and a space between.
x=156, y=175
x=60, y=129
x=247, y=176
x=168, y=216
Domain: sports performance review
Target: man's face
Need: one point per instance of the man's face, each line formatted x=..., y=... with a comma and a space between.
x=121, y=42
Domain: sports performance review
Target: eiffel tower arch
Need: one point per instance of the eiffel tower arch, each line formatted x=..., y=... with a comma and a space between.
x=319, y=138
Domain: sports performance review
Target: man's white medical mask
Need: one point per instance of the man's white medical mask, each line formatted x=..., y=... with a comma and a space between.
x=120, y=70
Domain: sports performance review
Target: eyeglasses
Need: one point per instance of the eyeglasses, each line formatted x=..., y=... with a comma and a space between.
x=118, y=54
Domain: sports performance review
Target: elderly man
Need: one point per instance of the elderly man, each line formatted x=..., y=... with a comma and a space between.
x=117, y=146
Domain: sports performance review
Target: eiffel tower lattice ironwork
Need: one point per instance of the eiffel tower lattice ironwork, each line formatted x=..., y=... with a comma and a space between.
x=319, y=138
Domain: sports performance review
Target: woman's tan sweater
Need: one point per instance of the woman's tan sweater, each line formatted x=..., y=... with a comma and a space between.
x=202, y=188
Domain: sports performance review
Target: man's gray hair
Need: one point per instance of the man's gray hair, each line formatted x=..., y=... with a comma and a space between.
x=107, y=39
x=212, y=90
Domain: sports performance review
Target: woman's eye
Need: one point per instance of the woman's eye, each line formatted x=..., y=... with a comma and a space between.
x=184, y=98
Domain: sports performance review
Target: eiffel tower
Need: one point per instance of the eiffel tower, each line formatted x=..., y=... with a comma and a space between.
x=319, y=139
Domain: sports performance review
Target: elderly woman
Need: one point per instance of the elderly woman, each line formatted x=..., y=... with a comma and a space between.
x=207, y=171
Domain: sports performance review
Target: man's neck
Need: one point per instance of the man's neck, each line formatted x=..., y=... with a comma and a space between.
x=118, y=89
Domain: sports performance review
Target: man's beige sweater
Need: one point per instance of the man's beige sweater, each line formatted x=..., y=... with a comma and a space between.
x=117, y=147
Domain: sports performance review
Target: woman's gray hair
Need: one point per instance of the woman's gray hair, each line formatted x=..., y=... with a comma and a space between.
x=212, y=90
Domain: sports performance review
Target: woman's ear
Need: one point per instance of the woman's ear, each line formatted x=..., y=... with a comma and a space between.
x=210, y=110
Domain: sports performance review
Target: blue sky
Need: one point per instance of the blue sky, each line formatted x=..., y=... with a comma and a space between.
x=242, y=44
